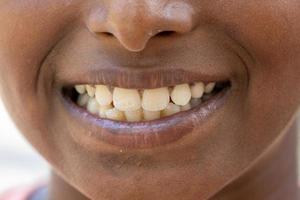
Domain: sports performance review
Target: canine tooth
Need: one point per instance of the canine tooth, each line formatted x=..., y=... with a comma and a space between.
x=115, y=114
x=103, y=95
x=90, y=90
x=103, y=109
x=186, y=107
x=181, y=94
x=155, y=99
x=83, y=99
x=92, y=106
x=170, y=110
x=126, y=99
x=133, y=116
x=80, y=89
x=197, y=90
x=209, y=87
x=151, y=115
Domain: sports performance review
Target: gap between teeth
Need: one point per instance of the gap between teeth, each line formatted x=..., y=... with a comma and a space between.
x=134, y=105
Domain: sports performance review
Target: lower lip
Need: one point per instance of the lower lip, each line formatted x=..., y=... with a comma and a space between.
x=142, y=135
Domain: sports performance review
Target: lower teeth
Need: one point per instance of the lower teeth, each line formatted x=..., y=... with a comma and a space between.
x=132, y=105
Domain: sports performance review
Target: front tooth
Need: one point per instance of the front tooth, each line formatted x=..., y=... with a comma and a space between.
x=126, y=99
x=90, y=90
x=197, y=90
x=83, y=99
x=80, y=89
x=170, y=110
x=181, y=94
x=186, y=107
x=103, y=109
x=210, y=87
x=155, y=99
x=115, y=114
x=92, y=106
x=151, y=115
x=134, y=116
x=103, y=95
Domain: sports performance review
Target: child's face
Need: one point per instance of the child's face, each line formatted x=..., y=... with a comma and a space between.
x=47, y=45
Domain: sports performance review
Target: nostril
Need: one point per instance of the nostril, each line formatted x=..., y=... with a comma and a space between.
x=165, y=33
x=107, y=34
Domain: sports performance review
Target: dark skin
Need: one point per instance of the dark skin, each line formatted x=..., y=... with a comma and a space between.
x=247, y=150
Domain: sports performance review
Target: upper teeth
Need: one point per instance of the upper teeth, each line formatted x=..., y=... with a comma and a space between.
x=209, y=87
x=135, y=105
x=181, y=94
x=126, y=99
x=90, y=90
x=103, y=95
x=197, y=90
x=155, y=99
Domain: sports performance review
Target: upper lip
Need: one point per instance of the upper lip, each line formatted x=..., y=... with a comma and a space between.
x=214, y=59
x=141, y=79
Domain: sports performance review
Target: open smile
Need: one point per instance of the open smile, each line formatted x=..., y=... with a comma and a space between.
x=133, y=105
x=143, y=118
x=118, y=100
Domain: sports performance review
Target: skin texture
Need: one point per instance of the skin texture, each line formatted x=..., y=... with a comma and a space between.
x=247, y=145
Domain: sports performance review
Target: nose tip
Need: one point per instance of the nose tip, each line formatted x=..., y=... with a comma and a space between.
x=134, y=23
x=132, y=36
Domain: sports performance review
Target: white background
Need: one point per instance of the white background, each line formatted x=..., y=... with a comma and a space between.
x=19, y=163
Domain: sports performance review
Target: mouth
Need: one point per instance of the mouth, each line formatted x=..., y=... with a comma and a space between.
x=136, y=105
x=142, y=118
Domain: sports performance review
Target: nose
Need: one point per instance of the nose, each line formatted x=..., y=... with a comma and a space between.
x=134, y=22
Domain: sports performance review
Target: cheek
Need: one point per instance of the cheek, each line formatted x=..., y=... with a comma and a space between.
x=27, y=35
x=273, y=99
x=271, y=36
x=270, y=33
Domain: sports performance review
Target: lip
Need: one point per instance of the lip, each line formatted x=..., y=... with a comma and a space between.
x=214, y=59
x=141, y=135
x=140, y=78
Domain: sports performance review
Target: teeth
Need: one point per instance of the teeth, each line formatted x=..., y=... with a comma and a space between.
x=92, y=106
x=186, y=107
x=209, y=87
x=155, y=99
x=197, y=90
x=171, y=109
x=195, y=102
x=103, y=95
x=181, y=94
x=103, y=109
x=134, y=116
x=126, y=99
x=83, y=99
x=115, y=114
x=80, y=89
x=151, y=115
x=90, y=90
x=134, y=105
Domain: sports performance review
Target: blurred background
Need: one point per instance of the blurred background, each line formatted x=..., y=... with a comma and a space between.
x=19, y=163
